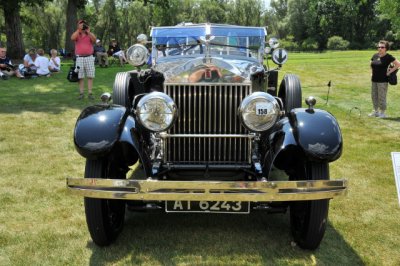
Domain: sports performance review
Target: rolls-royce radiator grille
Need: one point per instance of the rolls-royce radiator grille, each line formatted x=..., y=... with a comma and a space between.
x=208, y=129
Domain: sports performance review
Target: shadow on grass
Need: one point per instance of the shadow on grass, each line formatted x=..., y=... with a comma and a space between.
x=257, y=238
x=52, y=95
x=395, y=119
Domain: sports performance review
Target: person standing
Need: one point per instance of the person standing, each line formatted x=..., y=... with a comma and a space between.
x=380, y=72
x=84, y=41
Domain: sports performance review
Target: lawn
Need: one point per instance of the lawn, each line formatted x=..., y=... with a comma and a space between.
x=41, y=223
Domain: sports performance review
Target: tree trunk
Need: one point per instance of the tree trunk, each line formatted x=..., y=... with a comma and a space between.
x=70, y=26
x=15, y=43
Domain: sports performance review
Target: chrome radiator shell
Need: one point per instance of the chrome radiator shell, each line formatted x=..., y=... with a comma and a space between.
x=208, y=130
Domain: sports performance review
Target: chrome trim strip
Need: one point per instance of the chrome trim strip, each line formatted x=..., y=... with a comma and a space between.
x=207, y=190
x=166, y=135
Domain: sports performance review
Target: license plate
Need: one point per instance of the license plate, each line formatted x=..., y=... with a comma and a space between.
x=207, y=206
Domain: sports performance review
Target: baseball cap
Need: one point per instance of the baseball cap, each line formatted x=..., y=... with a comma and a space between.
x=97, y=41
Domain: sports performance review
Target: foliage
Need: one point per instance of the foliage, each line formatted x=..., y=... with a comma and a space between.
x=309, y=44
x=41, y=223
x=355, y=21
x=361, y=22
x=289, y=44
x=391, y=9
x=337, y=43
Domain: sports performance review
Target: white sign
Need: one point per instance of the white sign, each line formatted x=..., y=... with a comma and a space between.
x=396, y=169
x=279, y=56
x=261, y=108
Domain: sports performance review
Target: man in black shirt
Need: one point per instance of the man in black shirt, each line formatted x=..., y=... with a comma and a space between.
x=6, y=67
x=380, y=72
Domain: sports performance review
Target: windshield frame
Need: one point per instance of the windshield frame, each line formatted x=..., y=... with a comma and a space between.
x=223, y=41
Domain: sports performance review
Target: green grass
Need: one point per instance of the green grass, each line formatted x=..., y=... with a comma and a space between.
x=42, y=224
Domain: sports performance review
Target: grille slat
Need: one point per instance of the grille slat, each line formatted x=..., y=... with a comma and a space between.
x=207, y=109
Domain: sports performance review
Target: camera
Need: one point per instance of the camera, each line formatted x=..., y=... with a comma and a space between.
x=84, y=26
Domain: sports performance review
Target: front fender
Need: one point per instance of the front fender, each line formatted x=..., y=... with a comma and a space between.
x=305, y=135
x=97, y=129
x=317, y=133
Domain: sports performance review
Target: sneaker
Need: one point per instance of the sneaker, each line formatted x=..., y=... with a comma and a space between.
x=4, y=77
x=90, y=96
x=381, y=115
x=81, y=96
x=374, y=114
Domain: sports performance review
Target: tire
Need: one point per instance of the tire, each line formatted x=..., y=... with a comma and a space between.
x=121, y=89
x=290, y=92
x=104, y=217
x=308, y=218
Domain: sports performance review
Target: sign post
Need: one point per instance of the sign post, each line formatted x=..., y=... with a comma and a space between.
x=396, y=169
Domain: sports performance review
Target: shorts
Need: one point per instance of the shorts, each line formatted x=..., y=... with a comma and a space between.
x=86, y=66
x=119, y=54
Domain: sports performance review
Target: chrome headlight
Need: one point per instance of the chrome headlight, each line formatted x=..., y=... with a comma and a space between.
x=259, y=111
x=137, y=55
x=156, y=111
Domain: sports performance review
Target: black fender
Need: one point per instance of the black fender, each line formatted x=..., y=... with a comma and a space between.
x=97, y=129
x=318, y=133
x=103, y=130
x=306, y=135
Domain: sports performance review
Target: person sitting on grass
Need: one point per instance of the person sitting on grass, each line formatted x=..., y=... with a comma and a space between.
x=54, y=61
x=42, y=64
x=28, y=68
x=6, y=67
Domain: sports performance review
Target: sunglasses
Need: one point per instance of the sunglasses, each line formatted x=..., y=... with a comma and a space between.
x=381, y=47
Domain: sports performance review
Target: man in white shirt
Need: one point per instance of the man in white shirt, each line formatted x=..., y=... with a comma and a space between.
x=42, y=64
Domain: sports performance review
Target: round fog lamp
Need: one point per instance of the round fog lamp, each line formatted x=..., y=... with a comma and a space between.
x=156, y=111
x=259, y=111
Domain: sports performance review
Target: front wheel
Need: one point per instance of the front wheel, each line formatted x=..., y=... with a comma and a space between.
x=308, y=218
x=104, y=217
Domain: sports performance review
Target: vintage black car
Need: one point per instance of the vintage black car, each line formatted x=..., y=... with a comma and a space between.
x=211, y=131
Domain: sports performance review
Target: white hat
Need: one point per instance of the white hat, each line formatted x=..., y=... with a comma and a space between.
x=142, y=38
x=97, y=41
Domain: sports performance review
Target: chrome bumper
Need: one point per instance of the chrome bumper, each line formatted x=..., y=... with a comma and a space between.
x=255, y=191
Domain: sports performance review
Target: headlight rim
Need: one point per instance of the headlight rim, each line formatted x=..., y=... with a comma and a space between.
x=167, y=100
x=252, y=97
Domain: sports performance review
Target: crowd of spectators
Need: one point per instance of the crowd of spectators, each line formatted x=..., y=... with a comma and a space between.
x=34, y=64
x=88, y=51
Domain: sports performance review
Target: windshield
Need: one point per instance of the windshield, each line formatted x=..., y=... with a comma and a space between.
x=224, y=40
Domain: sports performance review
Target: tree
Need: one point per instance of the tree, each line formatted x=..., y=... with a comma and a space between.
x=245, y=12
x=47, y=33
x=297, y=13
x=15, y=43
x=390, y=10
x=70, y=25
x=13, y=26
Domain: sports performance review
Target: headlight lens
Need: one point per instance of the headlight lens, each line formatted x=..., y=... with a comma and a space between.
x=137, y=55
x=156, y=111
x=259, y=111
